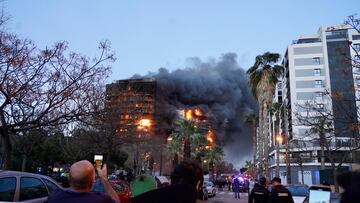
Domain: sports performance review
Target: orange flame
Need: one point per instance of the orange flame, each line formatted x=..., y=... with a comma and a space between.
x=144, y=124
x=210, y=139
x=198, y=112
x=188, y=115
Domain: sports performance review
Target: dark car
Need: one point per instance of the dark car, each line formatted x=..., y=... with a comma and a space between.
x=18, y=186
x=298, y=191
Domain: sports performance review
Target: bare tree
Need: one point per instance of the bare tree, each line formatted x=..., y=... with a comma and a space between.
x=48, y=87
x=334, y=148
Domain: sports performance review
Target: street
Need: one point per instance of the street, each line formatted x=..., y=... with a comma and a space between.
x=228, y=197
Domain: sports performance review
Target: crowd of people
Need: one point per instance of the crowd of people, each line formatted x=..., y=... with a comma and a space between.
x=186, y=182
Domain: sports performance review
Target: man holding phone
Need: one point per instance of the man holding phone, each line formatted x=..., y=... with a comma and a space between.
x=82, y=178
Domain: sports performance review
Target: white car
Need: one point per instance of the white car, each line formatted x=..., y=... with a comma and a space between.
x=298, y=192
x=29, y=187
x=210, y=187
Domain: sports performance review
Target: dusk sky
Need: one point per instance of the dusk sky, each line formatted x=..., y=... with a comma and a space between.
x=147, y=35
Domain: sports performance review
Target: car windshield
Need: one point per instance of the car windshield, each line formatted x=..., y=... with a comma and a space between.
x=298, y=190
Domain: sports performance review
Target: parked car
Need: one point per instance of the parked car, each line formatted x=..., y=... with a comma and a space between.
x=210, y=187
x=122, y=188
x=18, y=186
x=298, y=191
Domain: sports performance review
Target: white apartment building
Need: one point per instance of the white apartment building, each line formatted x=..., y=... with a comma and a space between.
x=317, y=66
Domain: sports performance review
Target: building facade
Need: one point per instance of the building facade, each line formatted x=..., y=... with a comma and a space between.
x=321, y=83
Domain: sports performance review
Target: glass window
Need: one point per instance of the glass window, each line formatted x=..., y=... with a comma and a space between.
x=356, y=47
x=7, y=189
x=320, y=106
x=50, y=185
x=298, y=190
x=318, y=83
x=319, y=95
x=32, y=188
x=316, y=60
x=317, y=72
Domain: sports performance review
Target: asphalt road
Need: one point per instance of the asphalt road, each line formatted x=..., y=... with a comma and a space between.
x=228, y=197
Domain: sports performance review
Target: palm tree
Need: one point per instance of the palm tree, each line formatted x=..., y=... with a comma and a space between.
x=214, y=155
x=263, y=76
x=186, y=139
x=253, y=120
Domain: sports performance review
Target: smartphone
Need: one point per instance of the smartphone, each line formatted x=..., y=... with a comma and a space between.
x=98, y=159
x=317, y=196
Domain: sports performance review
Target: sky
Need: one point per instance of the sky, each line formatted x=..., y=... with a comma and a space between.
x=147, y=35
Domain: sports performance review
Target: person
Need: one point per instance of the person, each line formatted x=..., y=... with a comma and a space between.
x=186, y=182
x=259, y=193
x=236, y=188
x=81, y=179
x=350, y=181
x=279, y=194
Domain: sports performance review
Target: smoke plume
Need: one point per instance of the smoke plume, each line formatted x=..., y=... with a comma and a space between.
x=218, y=86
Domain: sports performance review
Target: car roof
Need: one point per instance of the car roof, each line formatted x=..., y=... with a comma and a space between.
x=21, y=173
x=296, y=185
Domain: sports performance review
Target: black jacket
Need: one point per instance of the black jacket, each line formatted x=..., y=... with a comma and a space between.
x=259, y=194
x=279, y=194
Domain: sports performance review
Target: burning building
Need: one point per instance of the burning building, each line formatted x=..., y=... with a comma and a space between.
x=202, y=122
x=132, y=103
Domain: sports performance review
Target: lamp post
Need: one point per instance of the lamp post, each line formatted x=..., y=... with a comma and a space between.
x=279, y=140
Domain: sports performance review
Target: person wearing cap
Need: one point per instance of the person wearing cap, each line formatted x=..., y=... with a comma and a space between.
x=259, y=194
x=279, y=194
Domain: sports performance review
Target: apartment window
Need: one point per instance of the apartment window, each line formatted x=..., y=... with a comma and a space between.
x=356, y=47
x=356, y=70
x=316, y=60
x=318, y=83
x=320, y=106
x=318, y=95
x=317, y=72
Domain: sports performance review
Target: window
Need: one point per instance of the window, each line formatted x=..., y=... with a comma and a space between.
x=318, y=83
x=7, y=189
x=316, y=60
x=31, y=188
x=320, y=106
x=356, y=47
x=318, y=95
x=317, y=72
x=50, y=185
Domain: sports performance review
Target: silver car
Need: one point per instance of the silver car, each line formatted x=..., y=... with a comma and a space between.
x=18, y=186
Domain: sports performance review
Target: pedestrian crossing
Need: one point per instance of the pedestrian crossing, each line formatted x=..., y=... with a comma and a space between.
x=230, y=193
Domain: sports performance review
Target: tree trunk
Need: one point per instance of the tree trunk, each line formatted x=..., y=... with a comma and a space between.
x=175, y=161
x=260, y=139
x=302, y=173
x=266, y=141
x=335, y=179
x=287, y=156
x=322, y=149
x=7, y=149
x=254, y=144
x=23, y=164
x=187, y=147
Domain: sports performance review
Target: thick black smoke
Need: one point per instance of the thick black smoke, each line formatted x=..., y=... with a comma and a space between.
x=219, y=86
